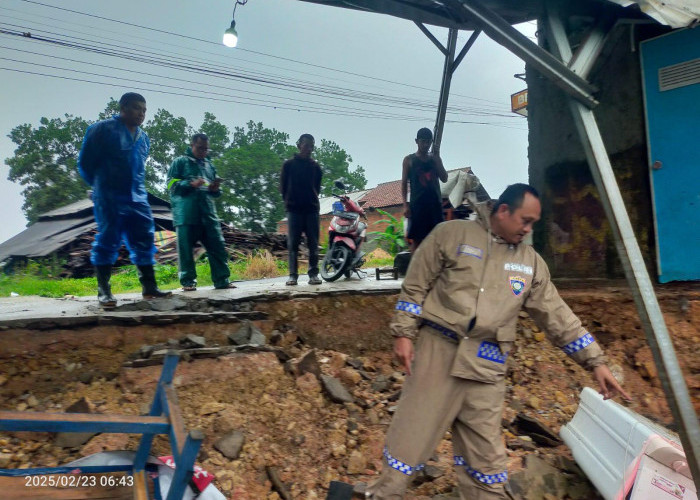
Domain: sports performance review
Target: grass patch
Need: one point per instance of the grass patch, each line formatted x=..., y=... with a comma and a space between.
x=38, y=278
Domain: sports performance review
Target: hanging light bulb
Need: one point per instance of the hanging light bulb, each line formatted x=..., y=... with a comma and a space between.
x=231, y=36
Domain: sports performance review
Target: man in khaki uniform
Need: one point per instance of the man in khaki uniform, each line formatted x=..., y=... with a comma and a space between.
x=464, y=288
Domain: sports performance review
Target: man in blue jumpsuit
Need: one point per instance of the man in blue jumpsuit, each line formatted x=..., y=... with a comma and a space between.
x=113, y=161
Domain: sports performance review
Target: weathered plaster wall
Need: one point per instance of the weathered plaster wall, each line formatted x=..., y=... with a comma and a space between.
x=574, y=236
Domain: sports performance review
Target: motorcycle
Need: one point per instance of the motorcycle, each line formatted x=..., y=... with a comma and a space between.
x=346, y=233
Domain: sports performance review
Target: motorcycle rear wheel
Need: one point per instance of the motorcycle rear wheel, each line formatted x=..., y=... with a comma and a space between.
x=335, y=262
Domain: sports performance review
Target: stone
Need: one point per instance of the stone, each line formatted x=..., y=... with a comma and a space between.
x=212, y=407
x=335, y=390
x=381, y=384
x=231, y=444
x=357, y=463
x=32, y=401
x=75, y=439
x=539, y=336
x=5, y=459
x=538, y=431
x=534, y=402
x=3, y=380
x=308, y=363
x=247, y=334
x=349, y=376
x=105, y=442
x=192, y=341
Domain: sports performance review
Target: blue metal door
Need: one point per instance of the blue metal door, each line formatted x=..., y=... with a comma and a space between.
x=671, y=79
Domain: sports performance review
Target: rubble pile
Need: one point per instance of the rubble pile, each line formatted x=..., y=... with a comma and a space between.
x=239, y=244
x=293, y=402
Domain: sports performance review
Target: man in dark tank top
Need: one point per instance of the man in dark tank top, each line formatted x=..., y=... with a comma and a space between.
x=422, y=170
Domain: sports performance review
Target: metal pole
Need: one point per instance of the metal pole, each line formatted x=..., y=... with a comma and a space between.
x=445, y=88
x=503, y=33
x=650, y=314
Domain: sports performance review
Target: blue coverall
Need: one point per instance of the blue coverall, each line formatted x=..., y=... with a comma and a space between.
x=113, y=162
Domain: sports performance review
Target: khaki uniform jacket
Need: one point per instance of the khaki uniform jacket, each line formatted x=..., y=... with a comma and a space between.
x=469, y=285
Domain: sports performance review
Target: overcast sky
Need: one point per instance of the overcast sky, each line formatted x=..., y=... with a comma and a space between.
x=365, y=81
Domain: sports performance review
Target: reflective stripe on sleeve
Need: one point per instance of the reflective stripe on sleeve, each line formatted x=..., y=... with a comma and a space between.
x=578, y=344
x=173, y=181
x=402, y=305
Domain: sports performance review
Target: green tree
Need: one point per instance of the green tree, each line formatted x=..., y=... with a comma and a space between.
x=169, y=139
x=111, y=109
x=45, y=163
x=218, y=133
x=335, y=163
x=251, y=197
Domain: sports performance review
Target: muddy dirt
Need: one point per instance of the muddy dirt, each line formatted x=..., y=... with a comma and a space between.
x=287, y=420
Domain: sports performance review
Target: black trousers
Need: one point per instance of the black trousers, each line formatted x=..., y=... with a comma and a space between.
x=308, y=224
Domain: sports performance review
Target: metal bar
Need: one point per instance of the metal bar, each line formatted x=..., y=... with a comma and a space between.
x=80, y=422
x=166, y=377
x=431, y=37
x=670, y=373
x=465, y=49
x=177, y=425
x=503, y=33
x=445, y=88
x=588, y=51
x=184, y=467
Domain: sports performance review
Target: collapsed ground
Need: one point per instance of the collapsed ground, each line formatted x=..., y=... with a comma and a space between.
x=287, y=421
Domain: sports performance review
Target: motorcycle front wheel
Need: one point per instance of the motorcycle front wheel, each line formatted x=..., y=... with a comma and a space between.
x=335, y=263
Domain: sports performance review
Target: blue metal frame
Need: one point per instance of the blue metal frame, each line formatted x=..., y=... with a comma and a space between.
x=161, y=419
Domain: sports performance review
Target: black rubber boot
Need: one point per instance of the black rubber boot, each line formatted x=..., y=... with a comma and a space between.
x=104, y=291
x=149, y=288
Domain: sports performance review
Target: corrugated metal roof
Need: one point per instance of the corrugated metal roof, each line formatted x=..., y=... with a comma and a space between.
x=58, y=228
x=674, y=13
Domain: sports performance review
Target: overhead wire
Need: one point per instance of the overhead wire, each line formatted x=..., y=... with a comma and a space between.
x=258, y=79
x=297, y=87
x=305, y=63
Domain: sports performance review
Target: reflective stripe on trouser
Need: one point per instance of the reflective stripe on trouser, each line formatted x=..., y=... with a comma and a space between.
x=128, y=221
x=433, y=401
x=212, y=239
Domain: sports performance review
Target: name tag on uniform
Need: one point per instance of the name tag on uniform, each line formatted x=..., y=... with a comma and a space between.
x=465, y=249
x=521, y=268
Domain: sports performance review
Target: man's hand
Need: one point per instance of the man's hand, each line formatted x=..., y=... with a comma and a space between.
x=403, y=349
x=214, y=186
x=195, y=183
x=609, y=385
x=406, y=210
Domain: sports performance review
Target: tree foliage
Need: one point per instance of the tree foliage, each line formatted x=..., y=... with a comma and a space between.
x=45, y=163
x=251, y=198
x=335, y=163
x=250, y=159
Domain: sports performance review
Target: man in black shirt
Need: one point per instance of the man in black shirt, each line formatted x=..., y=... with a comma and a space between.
x=300, y=184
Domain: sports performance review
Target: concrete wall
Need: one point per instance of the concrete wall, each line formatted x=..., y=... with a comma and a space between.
x=574, y=236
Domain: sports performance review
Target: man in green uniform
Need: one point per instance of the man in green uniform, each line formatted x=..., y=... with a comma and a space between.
x=193, y=185
x=464, y=288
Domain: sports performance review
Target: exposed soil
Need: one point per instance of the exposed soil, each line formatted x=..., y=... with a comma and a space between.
x=287, y=421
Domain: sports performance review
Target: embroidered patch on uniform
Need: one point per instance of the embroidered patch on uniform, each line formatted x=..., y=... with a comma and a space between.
x=491, y=351
x=517, y=284
x=410, y=307
x=578, y=344
x=521, y=268
x=465, y=249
